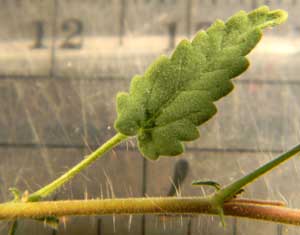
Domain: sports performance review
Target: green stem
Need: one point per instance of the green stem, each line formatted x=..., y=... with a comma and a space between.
x=230, y=191
x=13, y=228
x=54, y=185
x=161, y=205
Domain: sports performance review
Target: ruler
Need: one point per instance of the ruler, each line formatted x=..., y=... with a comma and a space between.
x=61, y=64
x=96, y=39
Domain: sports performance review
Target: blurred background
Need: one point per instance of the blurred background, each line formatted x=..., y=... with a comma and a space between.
x=61, y=66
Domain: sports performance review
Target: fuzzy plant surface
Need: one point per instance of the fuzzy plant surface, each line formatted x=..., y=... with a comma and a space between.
x=175, y=95
x=163, y=108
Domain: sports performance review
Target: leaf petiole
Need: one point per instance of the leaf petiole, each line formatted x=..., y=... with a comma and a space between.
x=54, y=185
x=231, y=190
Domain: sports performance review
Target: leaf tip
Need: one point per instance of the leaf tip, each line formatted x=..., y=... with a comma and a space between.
x=275, y=17
x=279, y=16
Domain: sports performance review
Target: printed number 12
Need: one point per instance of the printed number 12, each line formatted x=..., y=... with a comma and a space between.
x=73, y=28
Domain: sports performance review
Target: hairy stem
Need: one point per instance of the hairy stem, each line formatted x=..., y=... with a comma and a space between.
x=167, y=205
x=229, y=191
x=54, y=185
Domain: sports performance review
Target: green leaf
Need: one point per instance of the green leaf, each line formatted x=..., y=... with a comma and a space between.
x=175, y=95
x=210, y=183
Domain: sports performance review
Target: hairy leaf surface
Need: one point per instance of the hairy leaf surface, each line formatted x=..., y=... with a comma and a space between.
x=175, y=95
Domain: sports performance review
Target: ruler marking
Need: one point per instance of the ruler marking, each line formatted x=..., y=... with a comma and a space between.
x=189, y=8
x=122, y=18
x=234, y=226
x=254, y=4
x=144, y=190
x=54, y=37
x=189, y=227
x=279, y=229
x=99, y=226
x=119, y=78
x=120, y=148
